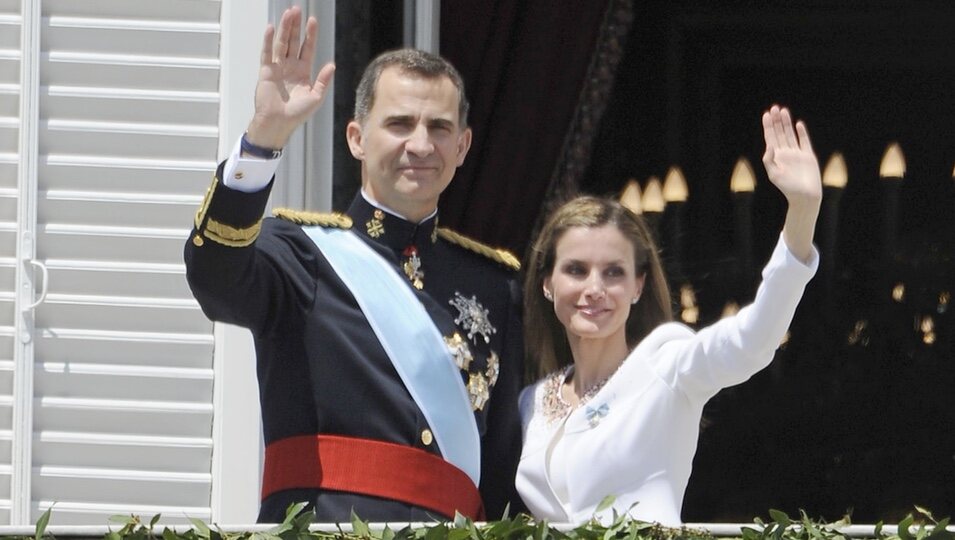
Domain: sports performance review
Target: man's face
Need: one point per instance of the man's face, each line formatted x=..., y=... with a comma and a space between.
x=411, y=142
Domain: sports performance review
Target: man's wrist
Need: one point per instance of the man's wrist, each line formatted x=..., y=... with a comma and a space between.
x=249, y=149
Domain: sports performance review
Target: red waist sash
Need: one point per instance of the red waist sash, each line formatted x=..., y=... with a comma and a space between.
x=368, y=467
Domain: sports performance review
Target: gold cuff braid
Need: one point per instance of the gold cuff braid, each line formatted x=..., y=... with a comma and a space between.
x=220, y=232
x=204, y=207
x=231, y=236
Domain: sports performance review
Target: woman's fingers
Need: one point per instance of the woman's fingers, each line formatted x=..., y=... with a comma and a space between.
x=805, y=143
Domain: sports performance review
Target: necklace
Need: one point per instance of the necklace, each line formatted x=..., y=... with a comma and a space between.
x=554, y=405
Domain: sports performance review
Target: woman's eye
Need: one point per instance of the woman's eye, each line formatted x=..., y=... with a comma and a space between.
x=574, y=269
x=615, y=271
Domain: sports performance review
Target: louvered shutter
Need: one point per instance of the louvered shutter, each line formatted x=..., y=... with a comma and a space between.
x=9, y=134
x=123, y=378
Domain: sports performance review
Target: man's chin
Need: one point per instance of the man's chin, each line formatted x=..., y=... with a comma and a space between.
x=420, y=189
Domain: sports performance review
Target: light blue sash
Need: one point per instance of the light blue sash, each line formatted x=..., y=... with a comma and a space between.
x=414, y=344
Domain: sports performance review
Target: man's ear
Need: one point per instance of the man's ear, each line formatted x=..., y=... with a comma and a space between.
x=464, y=144
x=353, y=135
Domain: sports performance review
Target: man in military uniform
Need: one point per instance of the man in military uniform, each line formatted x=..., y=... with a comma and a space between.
x=388, y=349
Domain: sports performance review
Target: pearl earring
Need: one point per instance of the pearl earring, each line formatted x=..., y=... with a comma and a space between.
x=548, y=296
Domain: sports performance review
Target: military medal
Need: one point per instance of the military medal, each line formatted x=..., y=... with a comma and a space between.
x=493, y=369
x=472, y=317
x=478, y=390
x=374, y=226
x=459, y=350
x=412, y=267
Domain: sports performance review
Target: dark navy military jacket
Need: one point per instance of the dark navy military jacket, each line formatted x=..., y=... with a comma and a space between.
x=321, y=369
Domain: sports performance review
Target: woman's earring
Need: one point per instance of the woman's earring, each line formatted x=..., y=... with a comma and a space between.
x=635, y=299
x=548, y=296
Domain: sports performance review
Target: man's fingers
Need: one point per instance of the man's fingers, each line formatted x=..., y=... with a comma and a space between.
x=307, y=53
x=266, y=57
x=324, y=77
x=294, y=35
x=280, y=47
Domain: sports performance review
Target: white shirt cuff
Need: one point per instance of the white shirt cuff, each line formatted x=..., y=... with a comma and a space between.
x=247, y=174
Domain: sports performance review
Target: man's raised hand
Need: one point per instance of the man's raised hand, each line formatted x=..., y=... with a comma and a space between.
x=285, y=95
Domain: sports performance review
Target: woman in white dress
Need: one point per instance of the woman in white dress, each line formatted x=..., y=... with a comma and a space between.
x=617, y=411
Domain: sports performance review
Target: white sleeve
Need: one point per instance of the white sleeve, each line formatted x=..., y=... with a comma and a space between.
x=733, y=349
x=526, y=405
x=247, y=174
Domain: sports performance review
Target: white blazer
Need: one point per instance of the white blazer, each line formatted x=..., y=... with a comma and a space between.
x=641, y=448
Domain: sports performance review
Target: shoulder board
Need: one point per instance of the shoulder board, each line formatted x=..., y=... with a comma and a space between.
x=501, y=256
x=322, y=219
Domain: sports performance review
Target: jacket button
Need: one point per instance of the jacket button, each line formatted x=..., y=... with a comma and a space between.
x=427, y=437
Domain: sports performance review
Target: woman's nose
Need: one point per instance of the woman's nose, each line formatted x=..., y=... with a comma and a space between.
x=595, y=287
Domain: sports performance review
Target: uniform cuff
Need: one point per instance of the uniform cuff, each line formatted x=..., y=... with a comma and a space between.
x=228, y=216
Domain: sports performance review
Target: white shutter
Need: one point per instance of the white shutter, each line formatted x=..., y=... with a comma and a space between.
x=9, y=135
x=123, y=378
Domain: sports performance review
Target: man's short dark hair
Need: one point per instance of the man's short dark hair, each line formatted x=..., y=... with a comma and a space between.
x=412, y=62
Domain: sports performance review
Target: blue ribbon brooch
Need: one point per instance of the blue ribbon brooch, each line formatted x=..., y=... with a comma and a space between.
x=594, y=415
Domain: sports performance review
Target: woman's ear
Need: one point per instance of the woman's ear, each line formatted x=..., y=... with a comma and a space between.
x=641, y=281
x=548, y=290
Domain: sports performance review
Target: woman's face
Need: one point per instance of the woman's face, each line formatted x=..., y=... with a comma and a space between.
x=594, y=282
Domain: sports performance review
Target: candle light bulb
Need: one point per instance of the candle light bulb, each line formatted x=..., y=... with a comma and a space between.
x=893, y=162
x=743, y=179
x=690, y=312
x=674, y=186
x=653, y=196
x=835, y=174
x=731, y=308
x=630, y=197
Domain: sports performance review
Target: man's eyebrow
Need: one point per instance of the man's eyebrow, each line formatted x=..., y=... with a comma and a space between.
x=399, y=118
x=441, y=122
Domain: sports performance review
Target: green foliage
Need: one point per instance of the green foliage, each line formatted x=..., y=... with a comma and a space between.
x=298, y=521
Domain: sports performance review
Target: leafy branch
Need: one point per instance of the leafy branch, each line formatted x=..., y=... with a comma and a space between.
x=298, y=521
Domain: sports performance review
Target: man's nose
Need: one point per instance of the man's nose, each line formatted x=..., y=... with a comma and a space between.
x=419, y=141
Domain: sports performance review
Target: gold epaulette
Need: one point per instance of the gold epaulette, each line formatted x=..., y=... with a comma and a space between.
x=322, y=219
x=498, y=255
